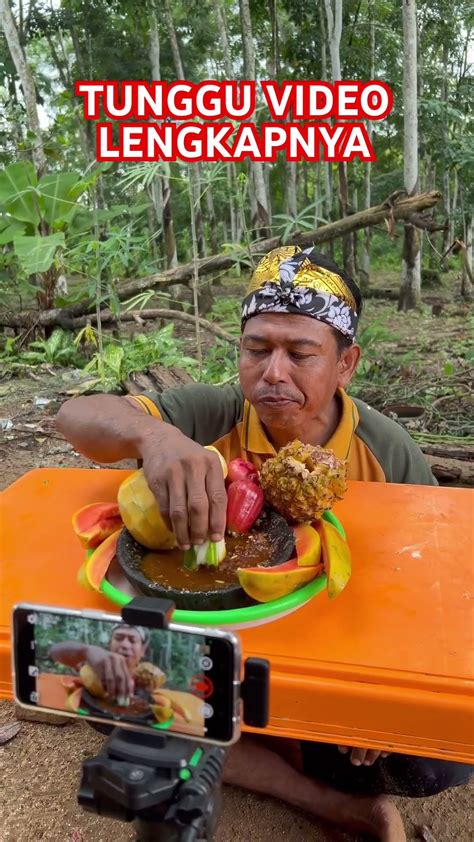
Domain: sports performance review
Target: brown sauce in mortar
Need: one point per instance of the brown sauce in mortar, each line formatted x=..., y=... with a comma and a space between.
x=166, y=567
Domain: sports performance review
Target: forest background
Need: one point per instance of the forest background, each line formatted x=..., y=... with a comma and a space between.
x=120, y=269
x=177, y=655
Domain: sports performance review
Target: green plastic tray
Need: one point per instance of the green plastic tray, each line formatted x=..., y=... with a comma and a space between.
x=238, y=616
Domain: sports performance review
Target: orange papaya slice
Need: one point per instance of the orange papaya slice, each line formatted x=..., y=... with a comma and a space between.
x=336, y=557
x=71, y=682
x=93, y=524
x=161, y=714
x=73, y=701
x=268, y=583
x=307, y=545
x=82, y=577
x=98, y=563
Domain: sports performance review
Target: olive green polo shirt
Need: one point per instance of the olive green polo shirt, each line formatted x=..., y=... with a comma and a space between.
x=377, y=449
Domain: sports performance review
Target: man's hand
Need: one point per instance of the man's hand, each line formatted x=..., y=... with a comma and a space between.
x=112, y=670
x=188, y=484
x=362, y=756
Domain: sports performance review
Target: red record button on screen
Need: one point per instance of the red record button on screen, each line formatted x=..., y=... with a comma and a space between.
x=202, y=685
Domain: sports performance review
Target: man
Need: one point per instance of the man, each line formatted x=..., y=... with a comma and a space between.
x=297, y=356
x=115, y=667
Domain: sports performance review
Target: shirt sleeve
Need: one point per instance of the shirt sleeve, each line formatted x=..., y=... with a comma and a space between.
x=202, y=412
x=408, y=464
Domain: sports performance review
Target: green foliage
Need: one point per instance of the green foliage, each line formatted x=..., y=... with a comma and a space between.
x=220, y=363
x=18, y=192
x=305, y=220
x=59, y=349
x=177, y=655
x=226, y=311
x=373, y=340
x=120, y=360
x=36, y=254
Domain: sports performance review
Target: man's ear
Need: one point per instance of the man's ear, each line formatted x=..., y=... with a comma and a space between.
x=347, y=364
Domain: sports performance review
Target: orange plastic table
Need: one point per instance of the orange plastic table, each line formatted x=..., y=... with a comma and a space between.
x=389, y=664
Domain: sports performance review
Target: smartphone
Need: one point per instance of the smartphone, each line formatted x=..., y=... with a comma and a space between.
x=182, y=680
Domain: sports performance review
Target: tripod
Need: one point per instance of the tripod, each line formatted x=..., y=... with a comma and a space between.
x=168, y=786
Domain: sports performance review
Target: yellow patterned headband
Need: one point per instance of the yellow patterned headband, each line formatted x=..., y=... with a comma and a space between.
x=290, y=280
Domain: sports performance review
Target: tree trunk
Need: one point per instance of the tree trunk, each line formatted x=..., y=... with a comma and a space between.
x=274, y=62
x=291, y=197
x=364, y=271
x=236, y=222
x=211, y=217
x=334, y=24
x=454, y=207
x=161, y=189
x=326, y=205
x=410, y=288
x=467, y=279
x=192, y=168
x=261, y=216
x=27, y=84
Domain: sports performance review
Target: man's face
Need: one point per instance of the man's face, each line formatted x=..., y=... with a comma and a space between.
x=127, y=641
x=290, y=368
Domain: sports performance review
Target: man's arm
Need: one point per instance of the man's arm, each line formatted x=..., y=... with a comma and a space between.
x=186, y=480
x=106, y=428
x=70, y=653
x=110, y=668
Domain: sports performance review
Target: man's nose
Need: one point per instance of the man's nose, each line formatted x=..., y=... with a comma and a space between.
x=276, y=370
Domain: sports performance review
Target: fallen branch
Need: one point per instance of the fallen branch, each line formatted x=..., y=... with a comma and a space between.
x=107, y=317
x=397, y=206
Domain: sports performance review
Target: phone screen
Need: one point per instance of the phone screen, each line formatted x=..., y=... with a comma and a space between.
x=104, y=669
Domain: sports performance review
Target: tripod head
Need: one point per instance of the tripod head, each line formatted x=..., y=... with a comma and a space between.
x=168, y=786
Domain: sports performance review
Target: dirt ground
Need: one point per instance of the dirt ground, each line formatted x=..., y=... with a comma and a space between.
x=41, y=765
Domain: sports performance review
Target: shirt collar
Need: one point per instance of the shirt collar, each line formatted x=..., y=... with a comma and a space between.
x=254, y=439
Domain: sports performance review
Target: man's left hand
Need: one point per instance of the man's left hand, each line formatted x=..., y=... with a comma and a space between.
x=362, y=756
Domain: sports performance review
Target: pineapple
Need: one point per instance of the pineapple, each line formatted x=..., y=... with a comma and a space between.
x=148, y=677
x=302, y=482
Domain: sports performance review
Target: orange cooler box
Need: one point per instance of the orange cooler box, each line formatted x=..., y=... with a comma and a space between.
x=388, y=664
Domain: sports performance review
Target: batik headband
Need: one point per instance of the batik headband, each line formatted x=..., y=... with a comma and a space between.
x=288, y=281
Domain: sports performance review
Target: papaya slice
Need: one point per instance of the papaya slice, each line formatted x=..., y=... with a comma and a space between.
x=307, y=545
x=71, y=682
x=82, y=577
x=336, y=557
x=92, y=682
x=94, y=523
x=99, y=562
x=268, y=583
x=161, y=714
x=73, y=701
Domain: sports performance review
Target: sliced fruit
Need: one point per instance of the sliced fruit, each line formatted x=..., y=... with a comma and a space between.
x=336, y=557
x=307, y=544
x=268, y=583
x=93, y=524
x=165, y=702
x=161, y=714
x=92, y=682
x=71, y=682
x=180, y=710
x=82, y=577
x=141, y=515
x=161, y=700
x=99, y=562
x=73, y=701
